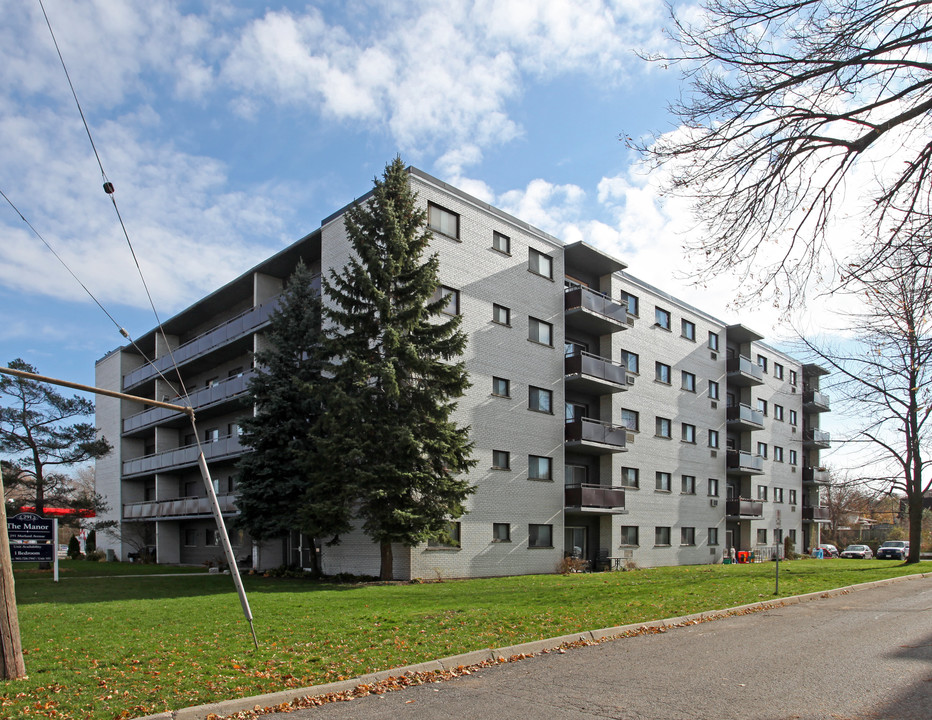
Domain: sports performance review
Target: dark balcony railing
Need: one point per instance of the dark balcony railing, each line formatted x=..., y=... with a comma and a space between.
x=817, y=476
x=742, y=369
x=742, y=507
x=597, y=312
x=177, y=507
x=814, y=400
x=216, y=393
x=814, y=436
x=585, y=495
x=816, y=514
x=589, y=366
x=585, y=430
x=745, y=462
x=186, y=456
x=745, y=415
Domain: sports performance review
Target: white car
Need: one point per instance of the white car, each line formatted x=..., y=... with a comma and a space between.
x=893, y=549
x=857, y=551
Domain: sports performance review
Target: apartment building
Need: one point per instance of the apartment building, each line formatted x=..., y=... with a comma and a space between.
x=611, y=421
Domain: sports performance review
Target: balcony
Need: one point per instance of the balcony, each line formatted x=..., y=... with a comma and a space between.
x=743, y=373
x=744, y=463
x=742, y=417
x=594, y=375
x=593, y=437
x=811, y=513
x=184, y=457
x=815, y=476
x=206, y=397
x=815, y=402
x=593, y=312
x=744, y=508
x=815, y=438
x=184, y=507
x=603, y=499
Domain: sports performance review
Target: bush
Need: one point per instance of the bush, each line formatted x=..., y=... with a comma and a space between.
x=572, y=565
x=90, y=545
x=74, y=548
x=96, y=556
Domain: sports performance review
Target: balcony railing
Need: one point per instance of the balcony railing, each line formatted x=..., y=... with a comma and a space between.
x=594, y=436
x=216, y=393
x=814, y=401
x=817, y=476
x=744, y=462
x=177, y=507
x=743, y=416
x=593, y=311
x=741, y=371
x=817, y=438
x=816, y=514
x=186, y=456
x=597, y=374
x=742, y=507
x=586, y=495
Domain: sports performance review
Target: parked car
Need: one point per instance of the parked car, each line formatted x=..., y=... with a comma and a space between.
x=857, y=551
x=828, y=550
x=893, y=550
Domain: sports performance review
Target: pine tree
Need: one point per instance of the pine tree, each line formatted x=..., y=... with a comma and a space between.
x=282, y=485
x=396, y=376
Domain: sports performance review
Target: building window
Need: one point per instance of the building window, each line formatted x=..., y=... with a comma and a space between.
x=762, y=536
x=689, y=433
x=687, y=536
x=689, y=381
x=539, y=468
x=501, y=460
x=762, y=362
x=778, y=495
x=793, y=418
x=777, y=536
x=633, y=363
x=688, y=330
x=792, y=377
x=630, y=477
x=443, y=221
x=778, y=371
x=713, y=438
x=632, y=301
x=662, y=373
x=793, y=457
x=575, y=474
x=792, y=497
x=539, y=331
x=777, y=453
x=501, y=315
x=630, y=419
x=713, y=487
x=713, y=341
x=713, y=390
x=662, y=481
x=713, y=536
x=212, y=435
x=540, y=400
x=629, y=535
x=793, y=537
x=762, y=406
x=540, y=264
x=778, y=412
x=450, y=538
x=190, y=538
x=762, y=449
x=540, y=536
x=502, y=243
x=661, y=536
x=762, y=493
x=501, y=387
x=501, y=532
x=688, y=485
x=212, y=537
x=662, y=318
x=452, y=297
x=664, y=428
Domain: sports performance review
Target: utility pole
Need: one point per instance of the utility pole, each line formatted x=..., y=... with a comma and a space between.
x=12, y=664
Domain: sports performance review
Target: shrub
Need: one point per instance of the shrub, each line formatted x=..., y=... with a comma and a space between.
x=572, y=565
x=96, y=556
x=90, y=545
x=74, y=548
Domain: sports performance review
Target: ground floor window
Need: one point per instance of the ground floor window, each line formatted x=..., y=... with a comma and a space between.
x=540, y=536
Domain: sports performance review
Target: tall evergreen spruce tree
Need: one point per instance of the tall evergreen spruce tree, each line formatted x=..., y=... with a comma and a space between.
x=282, y=484
x=396, y=376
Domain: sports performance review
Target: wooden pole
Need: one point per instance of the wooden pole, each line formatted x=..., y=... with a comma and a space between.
x=12, y=664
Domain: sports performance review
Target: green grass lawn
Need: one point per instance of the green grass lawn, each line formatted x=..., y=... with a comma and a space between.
x=121, y=646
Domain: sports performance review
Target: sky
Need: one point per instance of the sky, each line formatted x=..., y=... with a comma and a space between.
x=231, y=129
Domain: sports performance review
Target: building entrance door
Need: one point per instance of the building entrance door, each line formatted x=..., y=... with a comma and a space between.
x=574, y=542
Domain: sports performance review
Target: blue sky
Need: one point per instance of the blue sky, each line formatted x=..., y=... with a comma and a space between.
x=231, y=129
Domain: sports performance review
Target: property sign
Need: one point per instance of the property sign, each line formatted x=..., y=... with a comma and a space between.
x=33, y=539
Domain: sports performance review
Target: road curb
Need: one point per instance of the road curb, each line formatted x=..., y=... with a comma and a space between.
x=496, y=655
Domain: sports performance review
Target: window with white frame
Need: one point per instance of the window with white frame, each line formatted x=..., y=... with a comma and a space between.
x=662, y=481
x=539, y=467
x=540, y=536
x=443, y=221
x=687, y=536
x=540, y=264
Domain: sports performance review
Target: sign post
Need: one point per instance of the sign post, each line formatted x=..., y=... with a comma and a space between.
x=776, y=549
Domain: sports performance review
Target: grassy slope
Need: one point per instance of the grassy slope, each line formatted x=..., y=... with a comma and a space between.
x=128, y=646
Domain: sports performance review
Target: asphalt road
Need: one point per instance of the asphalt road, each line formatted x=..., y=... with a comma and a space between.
x=866, y=654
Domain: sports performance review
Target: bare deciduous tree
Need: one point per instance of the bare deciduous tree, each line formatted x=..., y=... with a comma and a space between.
x=793, y=104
